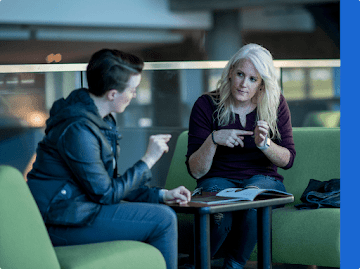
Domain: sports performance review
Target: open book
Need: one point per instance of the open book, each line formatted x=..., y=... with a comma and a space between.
x=238, y=194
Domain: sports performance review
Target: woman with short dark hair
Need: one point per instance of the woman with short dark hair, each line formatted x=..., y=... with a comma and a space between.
x=74, y=179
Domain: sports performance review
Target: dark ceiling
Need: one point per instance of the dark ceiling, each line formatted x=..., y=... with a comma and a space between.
x=323, y=43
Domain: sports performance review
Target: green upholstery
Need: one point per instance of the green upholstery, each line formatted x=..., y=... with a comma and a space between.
x=106, y=255
x=308, y=237
x=328, y=119
x=315, y=233
x=317, y=157
x=24, y=241
x=178, y=174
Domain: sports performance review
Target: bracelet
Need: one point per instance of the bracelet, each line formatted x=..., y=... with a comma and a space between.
x=266, y=144
x=212, y=136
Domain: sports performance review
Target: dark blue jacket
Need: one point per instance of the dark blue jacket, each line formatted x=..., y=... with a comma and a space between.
x=320, y=194
x=75, y=169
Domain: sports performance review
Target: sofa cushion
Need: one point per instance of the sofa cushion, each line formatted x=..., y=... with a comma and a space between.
x=24, y=241
x=317, y=157
x=306, y=236
x=111, y=255
x=309, y=237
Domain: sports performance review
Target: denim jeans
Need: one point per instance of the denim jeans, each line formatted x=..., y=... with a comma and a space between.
x=236, y=230
x=155, y=224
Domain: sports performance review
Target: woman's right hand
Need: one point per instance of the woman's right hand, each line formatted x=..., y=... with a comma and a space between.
x=156, y=148
x=230, y=137
x=201, y=160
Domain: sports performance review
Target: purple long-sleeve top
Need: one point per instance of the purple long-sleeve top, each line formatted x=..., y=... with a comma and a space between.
x=237, y=163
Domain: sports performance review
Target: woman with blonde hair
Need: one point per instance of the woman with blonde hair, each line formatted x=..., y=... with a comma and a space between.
x=239, y=134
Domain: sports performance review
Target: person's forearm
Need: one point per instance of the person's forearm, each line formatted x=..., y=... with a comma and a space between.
x=201, y=160
x=278, y=155
x=150, y=162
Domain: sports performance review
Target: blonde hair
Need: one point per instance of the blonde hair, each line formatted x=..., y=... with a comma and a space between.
x=267, y=100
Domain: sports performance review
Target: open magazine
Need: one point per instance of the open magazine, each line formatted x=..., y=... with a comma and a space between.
x=238, y=194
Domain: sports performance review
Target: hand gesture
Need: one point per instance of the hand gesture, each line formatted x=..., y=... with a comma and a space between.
x=230, y=138
x=261, y=131
x=180, y=195
x=157, y=146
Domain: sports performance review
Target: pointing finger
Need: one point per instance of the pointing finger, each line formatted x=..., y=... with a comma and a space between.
x=165, y=137
x=243, y=132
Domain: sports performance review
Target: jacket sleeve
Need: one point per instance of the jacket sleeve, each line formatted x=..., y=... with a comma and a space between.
x=84, y=153
x=145, y=194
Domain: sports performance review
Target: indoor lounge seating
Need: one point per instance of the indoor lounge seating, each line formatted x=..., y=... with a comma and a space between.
x=307, y=236
x=24, y=241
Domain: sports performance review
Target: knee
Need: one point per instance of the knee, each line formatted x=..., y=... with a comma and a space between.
x=168, y=217
x=218, y=218
x=222, y=221
x=249, y=218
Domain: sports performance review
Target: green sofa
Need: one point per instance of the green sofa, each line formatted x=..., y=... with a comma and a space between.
x=24, y=241
x=308, y=236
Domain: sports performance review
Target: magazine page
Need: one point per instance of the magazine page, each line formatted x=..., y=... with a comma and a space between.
x=249, y=193
x=236, y=194
x=244, y=194
x=212, y=200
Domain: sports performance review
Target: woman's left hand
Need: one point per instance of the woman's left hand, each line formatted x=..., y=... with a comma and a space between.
x=261, y=131
x=180, y=195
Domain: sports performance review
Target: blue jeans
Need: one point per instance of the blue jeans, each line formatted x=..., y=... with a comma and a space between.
x=238, y=228
x=155, y=224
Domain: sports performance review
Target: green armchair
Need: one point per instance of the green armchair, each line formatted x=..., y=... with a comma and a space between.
x=308, y=237
x=24, y=241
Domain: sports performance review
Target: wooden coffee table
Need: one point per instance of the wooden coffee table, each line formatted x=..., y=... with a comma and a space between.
x=202, y=226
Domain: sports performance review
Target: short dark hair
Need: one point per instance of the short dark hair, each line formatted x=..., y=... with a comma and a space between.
x=111, y=69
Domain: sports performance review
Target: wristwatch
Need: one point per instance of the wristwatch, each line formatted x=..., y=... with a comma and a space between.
x=266, y=145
